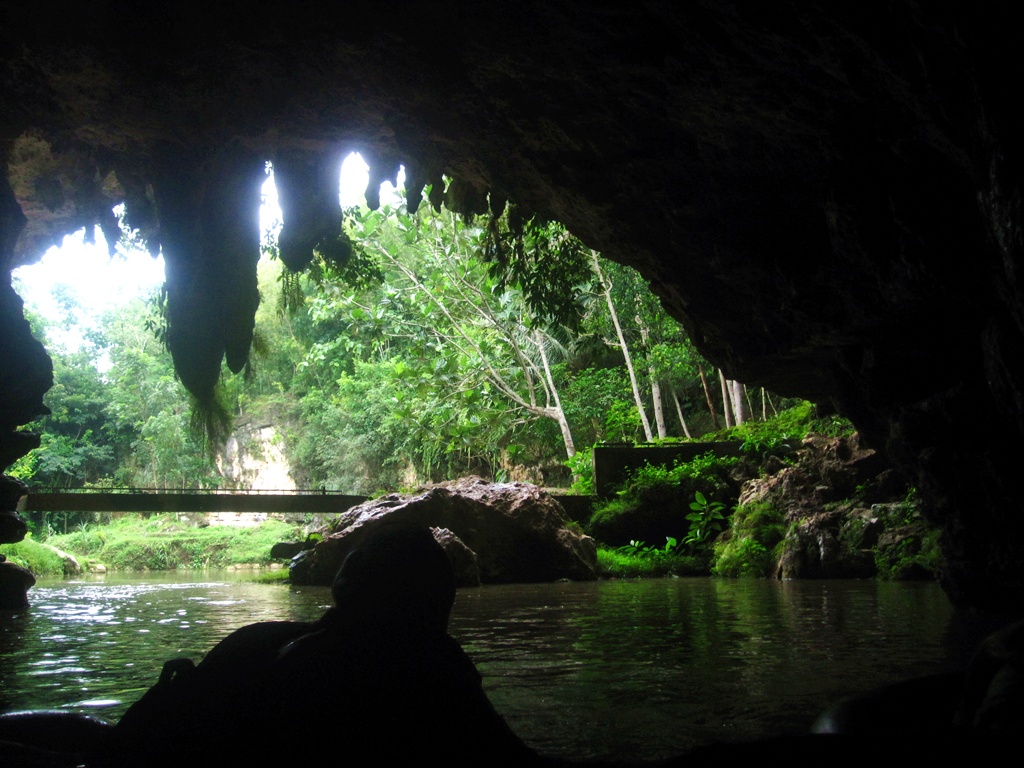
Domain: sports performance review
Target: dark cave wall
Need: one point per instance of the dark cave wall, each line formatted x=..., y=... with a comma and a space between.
x=828, y=198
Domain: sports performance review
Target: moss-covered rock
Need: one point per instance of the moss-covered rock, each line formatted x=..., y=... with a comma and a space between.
x=751, y=546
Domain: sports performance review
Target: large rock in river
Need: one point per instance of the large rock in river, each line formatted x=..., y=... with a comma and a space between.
x=518, y=532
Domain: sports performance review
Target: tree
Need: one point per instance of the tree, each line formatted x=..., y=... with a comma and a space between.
x=462, y=334
x=606, y=286
x=149, y=407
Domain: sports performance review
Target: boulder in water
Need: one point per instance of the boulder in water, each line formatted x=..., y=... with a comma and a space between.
x=518, y=532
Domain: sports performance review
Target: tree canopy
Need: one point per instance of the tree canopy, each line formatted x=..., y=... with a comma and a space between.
x=414, y=347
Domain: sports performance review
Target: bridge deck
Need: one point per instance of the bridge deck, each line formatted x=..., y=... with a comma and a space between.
x=321, y=503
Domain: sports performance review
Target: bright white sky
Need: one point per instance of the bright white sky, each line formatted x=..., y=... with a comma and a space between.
x=100, y=283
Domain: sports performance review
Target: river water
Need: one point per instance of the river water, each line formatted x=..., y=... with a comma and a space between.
x=612, y=669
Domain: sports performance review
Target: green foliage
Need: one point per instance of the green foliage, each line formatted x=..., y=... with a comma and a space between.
x=582, y=467
x=639, y=561
x=706, y=519
x=706, y=473
x=914, y=556
x=37, y=557
x=541, y=260
x=598, y=402
x=910, y=548
x=651, y=503
x=125, y=426
x=754, y=542
x=784, y=432
x=162, y=542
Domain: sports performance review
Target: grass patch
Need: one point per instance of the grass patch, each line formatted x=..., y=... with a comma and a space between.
x=161, y=542
x=276, y=576
x=38, y=558
x=622, y=564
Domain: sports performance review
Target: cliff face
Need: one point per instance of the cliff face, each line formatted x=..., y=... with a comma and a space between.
x=829, y=200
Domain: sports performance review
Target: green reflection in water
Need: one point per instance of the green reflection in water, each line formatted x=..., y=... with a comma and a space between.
x=651, y=668
x=617, y=669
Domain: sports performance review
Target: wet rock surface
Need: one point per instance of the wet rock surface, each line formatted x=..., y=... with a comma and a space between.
x=516, y=531
x=845, y=515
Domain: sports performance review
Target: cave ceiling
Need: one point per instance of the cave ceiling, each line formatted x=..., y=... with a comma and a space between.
x=826, y=195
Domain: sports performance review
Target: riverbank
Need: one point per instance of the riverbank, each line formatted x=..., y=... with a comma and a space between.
x=163, y=543
x=134, y=542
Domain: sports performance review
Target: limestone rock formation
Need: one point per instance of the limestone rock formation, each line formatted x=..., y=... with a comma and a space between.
x=828, y=197
x=833, y=523
x=517, y=532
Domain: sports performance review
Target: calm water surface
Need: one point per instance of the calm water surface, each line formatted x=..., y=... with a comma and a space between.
x=641, y=669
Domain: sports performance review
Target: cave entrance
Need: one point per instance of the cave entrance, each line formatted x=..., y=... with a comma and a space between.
x=447, y=362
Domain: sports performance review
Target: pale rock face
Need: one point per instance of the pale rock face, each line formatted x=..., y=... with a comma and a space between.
x=253, y=459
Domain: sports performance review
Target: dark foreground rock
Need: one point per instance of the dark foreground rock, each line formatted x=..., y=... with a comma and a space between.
x=15, y=583
x=517, y=532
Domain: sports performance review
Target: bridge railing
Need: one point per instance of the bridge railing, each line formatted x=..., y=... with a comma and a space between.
x=300, y=501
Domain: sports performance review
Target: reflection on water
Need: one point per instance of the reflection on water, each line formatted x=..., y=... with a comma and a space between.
x=650, y=668
x=639, y=669
x=97, y=645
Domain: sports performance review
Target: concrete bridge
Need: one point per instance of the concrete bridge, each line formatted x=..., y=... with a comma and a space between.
x=154, y=500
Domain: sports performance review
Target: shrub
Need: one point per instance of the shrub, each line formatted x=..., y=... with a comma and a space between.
x=654, y=501
x=784, y=432
x=582, y=467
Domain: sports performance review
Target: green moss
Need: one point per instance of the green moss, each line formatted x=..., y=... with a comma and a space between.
x=912, y=555
x=753, y=544
x=742, y=556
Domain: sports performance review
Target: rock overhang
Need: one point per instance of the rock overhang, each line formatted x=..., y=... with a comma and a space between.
x=827, y=198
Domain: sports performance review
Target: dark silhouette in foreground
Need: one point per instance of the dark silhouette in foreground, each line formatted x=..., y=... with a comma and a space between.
x=378, y=673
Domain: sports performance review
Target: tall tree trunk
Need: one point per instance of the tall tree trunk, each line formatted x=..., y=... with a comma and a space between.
x=726, y=405
x=559, y=414
x=607, y=286
x=739, y=405
x=707, y=396
x=659, y=408
x=679, y=412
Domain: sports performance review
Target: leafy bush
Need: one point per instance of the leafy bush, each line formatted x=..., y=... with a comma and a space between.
x=582, y=467
x=912, y=557
x=706, y=519
x=910, y=547
x=653, y=502
x=783, y=433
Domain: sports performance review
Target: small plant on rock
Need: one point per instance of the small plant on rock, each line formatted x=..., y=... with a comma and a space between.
x=706, y=519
